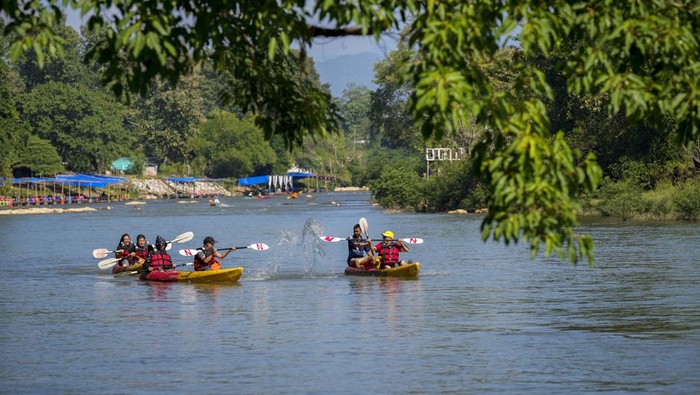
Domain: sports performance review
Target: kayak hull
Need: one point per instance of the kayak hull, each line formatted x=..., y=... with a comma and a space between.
x=131, y=268
x=224, y=276
x=230, y=276
x=409, y=271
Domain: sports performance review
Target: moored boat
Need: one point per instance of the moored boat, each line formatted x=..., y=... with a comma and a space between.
x=409, y=271
x=223, y=276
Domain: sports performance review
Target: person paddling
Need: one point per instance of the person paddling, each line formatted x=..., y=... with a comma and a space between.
x=357, y=247
x=141, y=249
x=389, y=250
x=125, y=251
x=158, y=259
x=208, y=257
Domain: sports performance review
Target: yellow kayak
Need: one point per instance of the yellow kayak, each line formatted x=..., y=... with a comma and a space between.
x=212, y=276
x=409, y=271
x=135, y=267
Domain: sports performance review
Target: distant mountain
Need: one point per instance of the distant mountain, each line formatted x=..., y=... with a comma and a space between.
x=339, y=72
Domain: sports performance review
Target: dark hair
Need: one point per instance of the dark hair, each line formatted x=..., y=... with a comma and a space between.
x=139, y=237
x=123, y=236
x=357, y=226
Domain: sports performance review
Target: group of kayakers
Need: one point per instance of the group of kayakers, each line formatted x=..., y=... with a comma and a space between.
x=156, y=258
x=363, y=255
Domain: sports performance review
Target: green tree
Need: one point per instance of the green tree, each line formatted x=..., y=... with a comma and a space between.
x=232, y=147
x=68, y=69
x=86, y=127
x=643, y=54
x=397, y=188
x=169, y=116
x=39, y=158
x=13, y=130
x=392, y=123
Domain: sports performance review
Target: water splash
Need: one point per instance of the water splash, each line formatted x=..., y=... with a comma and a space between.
x=314, y=253
x=282, y=253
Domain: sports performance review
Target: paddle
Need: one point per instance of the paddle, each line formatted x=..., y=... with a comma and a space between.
x=256, y=247
x=126, y=274
x=364, y=227
x=103, y=252
x=187, y=236
x=408, y=240
x=108, y=263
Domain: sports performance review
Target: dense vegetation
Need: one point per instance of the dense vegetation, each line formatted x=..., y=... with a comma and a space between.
x=594, y=93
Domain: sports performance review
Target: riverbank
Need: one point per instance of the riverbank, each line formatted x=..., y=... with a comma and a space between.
x=48, y=210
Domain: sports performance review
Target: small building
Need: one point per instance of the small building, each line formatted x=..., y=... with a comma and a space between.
x=150, y=167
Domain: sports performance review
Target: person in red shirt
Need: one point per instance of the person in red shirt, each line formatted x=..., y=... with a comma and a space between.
x=389, y=249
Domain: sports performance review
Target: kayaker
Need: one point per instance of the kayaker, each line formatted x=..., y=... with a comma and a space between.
x=389, y=249
x=208, y=257
x=158, y=259
x=357, y=248
x=141, y=250
x=125, y=251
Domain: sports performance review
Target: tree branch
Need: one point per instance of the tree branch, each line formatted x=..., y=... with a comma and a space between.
x=317, y=31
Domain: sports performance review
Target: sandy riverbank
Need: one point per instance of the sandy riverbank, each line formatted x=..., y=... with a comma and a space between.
x=48, y=210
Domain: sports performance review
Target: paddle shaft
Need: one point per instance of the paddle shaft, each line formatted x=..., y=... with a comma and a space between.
x=407, y=240
x=124, y=274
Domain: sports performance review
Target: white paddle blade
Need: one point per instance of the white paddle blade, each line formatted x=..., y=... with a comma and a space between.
x=364, y=226
x=188, y=252
x=412, y=240
x=332, y=239
x=258, y=247
x=185, y=237
x=168, y=246
x=100, y=253
x=107, y=263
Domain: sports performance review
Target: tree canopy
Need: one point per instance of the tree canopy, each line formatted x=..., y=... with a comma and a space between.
x=642, y=54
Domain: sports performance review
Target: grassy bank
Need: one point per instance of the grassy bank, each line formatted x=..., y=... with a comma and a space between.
x=666, y=202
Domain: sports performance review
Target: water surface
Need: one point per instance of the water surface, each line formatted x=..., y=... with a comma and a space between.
x=482, y=318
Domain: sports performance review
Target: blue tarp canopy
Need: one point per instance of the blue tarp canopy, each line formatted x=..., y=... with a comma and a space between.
x=253, y=180
x=266, y=179
x=300, y=175
x=85, y=180
x=92, y=180
x=184, y=179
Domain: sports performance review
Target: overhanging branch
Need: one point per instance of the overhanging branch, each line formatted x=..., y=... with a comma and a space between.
x=317, y=31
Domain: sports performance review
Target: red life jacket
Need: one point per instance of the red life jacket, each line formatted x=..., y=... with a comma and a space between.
x=389, y=253
x=141, y=254
x=199, y=263
x=160, y=260
x=124, y=257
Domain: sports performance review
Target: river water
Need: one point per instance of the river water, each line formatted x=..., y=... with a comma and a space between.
x=481, y=318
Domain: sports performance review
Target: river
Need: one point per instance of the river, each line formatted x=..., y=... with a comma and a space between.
x=481, y=318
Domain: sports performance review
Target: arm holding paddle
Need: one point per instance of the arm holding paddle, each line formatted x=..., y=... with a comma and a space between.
x=108, y=263
x=216, y=254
